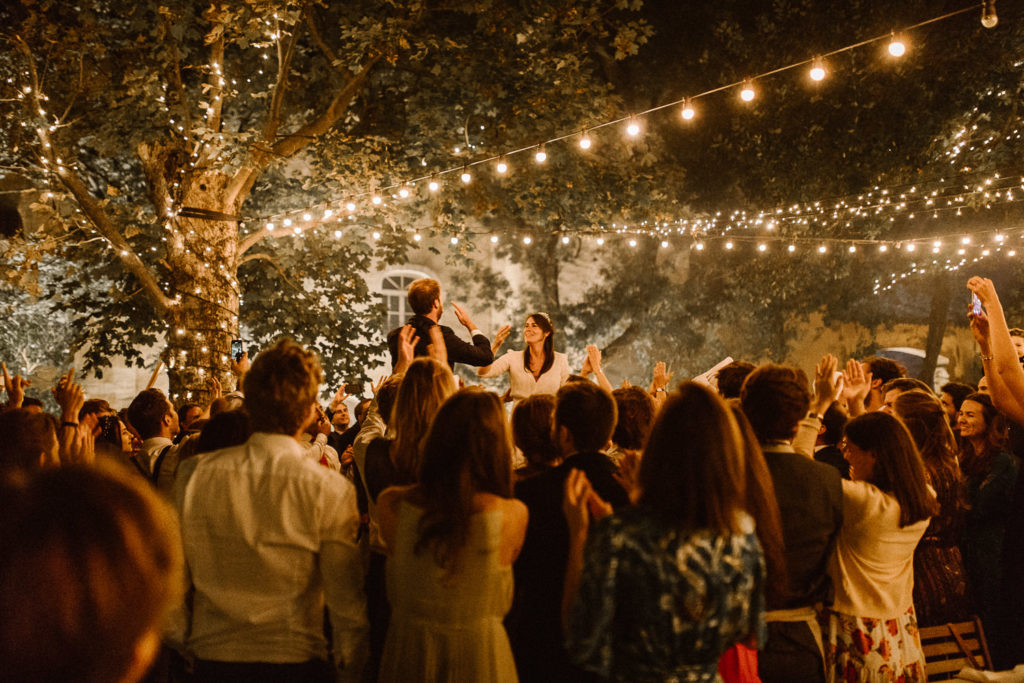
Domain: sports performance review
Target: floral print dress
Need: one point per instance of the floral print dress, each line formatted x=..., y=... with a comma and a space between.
x=659, y=604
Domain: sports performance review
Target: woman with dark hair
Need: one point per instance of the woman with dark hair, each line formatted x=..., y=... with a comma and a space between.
x=940, y=582
x=538, y=368
x=991, y=474
x=532, y=420
x=452, y=539
x=872, y=628
x=662, y=589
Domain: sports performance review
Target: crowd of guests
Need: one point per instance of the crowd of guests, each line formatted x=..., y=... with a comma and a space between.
x=764, y=526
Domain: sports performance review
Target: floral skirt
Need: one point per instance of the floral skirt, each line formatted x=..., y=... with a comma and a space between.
x=864, y=650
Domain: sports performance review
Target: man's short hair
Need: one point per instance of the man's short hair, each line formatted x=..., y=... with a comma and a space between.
x=281, y=387
x=422, y=295
x=958, y=391
x=387, y=394
x=775, y=398
x=95, y=406
x=147, y=411
x=730, y=378
x=31, y=401
x=884, y=369
x=905, y=384
x=588, y=412
x=833, y=420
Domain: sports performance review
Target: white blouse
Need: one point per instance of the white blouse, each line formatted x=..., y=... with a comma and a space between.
x=873, y=565
x=522, y=380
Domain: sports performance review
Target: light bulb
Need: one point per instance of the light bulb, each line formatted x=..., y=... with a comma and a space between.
x=747, y=93
x=287, y=222
x=270, y=226
x=306, y=217
x=455, y=240
x=664, y=244
x=699, y=246
x=585, y=141
x=791, y=248
x=728, y=245
x=502, y=166
x=911, y=247
x=376, y=199
x=897, y=48
x=762, y=247
x=433, y=186
x=328, y=213
x=350, y=206
x=494, y=239
x=852, y=248
x=527, y=240
x=633, y=128
x=417, y=237
x=688, y=111
x=565, y=239
x=883, y=248
x=466, y=177
x=817, y=69
x=403, y=192
x=988, y=14
x=541, y=156
x=822, y=249
x=632, y=243
x=600, y=241
x=337, y=233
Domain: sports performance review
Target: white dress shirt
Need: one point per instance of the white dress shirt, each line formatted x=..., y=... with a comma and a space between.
x=269, y=534
x=522, y=381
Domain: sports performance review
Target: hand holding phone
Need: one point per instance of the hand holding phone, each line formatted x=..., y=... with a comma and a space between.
x=975, y=305
x=236, y=350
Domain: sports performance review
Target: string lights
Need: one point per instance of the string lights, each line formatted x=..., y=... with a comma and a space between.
x=816, y=70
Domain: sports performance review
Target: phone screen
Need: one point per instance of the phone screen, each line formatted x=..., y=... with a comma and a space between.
x=975, y=304
x=236, y=349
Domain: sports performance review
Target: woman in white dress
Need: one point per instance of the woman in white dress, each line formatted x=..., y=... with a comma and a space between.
x=537, y=369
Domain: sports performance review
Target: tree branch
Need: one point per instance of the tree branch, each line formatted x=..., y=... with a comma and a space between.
x=217, y=78
x=179, y=85
x=272, y=262
x=284, y=66
x=257, y=236
x=314, y=33
x=89, y=205
x=289, y=145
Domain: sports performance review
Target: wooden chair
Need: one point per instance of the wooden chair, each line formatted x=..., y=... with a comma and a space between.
x=950, y=648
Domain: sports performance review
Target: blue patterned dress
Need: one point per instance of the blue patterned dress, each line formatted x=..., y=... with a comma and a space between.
x=655, y=604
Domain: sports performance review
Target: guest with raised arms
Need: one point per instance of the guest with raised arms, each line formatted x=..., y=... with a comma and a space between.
x=538, y=368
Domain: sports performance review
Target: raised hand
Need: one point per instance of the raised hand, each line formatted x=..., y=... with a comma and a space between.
x=240, y=367
x=463, y=317
x=825, y=383
x=661, y=377
x=499, y=337
x=69, y=397
x=594, y=357
x=340, y=396
x=407, y=341
x=376, y=387
x=985, y=290
x=982, y=333
x=15, y=387
x=856, y=387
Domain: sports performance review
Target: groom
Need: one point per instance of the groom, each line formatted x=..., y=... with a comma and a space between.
x=425, y=302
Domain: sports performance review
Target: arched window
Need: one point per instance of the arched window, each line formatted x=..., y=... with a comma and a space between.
x=394, y=289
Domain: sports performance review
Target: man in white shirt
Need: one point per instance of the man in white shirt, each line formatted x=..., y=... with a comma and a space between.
x=269, y=538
